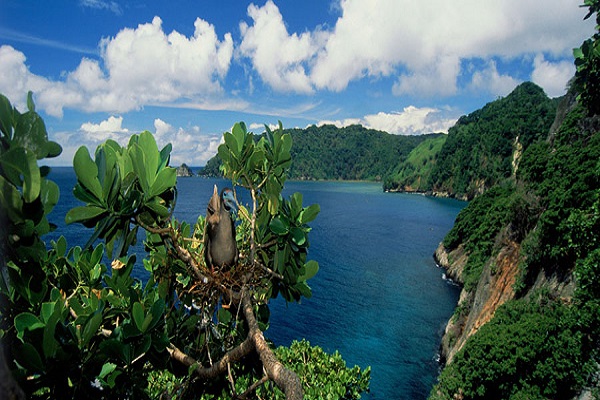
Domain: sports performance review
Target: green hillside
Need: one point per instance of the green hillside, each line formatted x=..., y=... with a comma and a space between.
x=414, y=173
x=349, y=153
x=527, y=251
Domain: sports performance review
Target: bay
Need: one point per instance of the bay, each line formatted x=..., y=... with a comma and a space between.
x=379, y=299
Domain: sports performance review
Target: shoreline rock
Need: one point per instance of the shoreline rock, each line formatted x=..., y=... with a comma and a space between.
x=184, y=171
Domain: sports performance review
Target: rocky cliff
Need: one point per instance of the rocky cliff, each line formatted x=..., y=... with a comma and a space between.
x=501, y=279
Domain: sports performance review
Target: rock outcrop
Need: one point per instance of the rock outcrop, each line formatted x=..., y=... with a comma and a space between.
x=184, y=170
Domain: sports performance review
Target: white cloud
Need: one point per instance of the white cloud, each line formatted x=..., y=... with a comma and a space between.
x=421, y=44
x=259, y=128
x=490, y=80
x=552, y=76
x=410, y=121
x=277, y=56
x=15, y=79
x=190, y=145
x=138, y=67
x=112, y=6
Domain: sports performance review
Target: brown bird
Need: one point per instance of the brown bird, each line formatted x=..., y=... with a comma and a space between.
x=220, y=249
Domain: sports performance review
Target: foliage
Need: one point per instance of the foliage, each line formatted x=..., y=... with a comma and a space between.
x=478, y=225
x=540, y=346
x=414, y=173
x=75, y=327
x=323, y=375
x=478, y=151
x=532, y=349
x=350, y=153
x=587, y=62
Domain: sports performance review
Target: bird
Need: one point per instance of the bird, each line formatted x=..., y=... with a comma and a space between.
x=220, y=248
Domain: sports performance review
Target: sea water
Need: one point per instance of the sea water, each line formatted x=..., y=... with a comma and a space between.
x=379, y=298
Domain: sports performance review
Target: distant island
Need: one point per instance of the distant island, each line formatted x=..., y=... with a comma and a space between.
x=351, y=153
x=184, y=170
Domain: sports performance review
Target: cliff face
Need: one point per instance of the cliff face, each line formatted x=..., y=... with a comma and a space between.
x=495, y=287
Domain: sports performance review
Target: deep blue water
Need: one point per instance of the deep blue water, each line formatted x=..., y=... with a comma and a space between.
x=378, y=298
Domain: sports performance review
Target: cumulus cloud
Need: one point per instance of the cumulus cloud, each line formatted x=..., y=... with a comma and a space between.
x=490, y=80
x=138, y=67
x=190, y=144
x=552, y=76
x=277, y=56
x=420, y=44
x=410, y=121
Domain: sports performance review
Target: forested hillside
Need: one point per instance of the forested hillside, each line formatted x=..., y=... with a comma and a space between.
x=479, y=150
x=350, y=153
x=413, y=175
x=527, y=252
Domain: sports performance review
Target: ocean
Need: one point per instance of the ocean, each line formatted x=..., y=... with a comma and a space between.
x=379, y=298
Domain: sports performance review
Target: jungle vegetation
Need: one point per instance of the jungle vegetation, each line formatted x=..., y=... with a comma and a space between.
x=543, y=344
x=350, y=153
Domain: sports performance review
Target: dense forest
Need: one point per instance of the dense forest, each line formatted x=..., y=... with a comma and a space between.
x=527, y=249
x=350, y=153
x=479, y=150
x=543, y=342
x=414, y=173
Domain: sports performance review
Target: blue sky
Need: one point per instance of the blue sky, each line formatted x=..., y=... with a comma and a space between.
x=187, y=70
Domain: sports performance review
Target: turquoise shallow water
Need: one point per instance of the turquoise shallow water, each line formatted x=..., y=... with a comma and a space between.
x=378, y=298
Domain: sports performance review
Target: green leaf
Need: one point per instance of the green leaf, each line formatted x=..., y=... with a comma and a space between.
x=304, y=289
x=224, y=316
x=150, y=149
x=165, y=155
x=298, y=236
x=28, y=357
x=146, y=323
x=279, y=226
x=232, y=145
x=30, y=133
x=239, y=133
x=53, y=149
x=11, y=201
x=91, y=327
x=107, y=368
x=6, y=116
x=83, y=213
x=87, y=172
x=50, y=194
x=159, y=209
x=30, y=104
x=137, y=312
x=138, y=160
x=27, y=322
x=47, y=311
x=20, y=163
x=166, y=179
x=50, y=344
x=310, y=213
x=310, y=269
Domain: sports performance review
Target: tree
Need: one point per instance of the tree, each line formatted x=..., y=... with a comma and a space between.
x=73, y=327
x=587, y=62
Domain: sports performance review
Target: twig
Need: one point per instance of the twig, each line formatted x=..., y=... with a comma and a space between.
x=253, y=387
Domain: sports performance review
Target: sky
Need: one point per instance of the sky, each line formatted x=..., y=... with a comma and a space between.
x=187, y=70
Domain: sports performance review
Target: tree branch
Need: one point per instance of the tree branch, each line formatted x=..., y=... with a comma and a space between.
x=287, y=380
x=284, y=378
x=220, y=367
